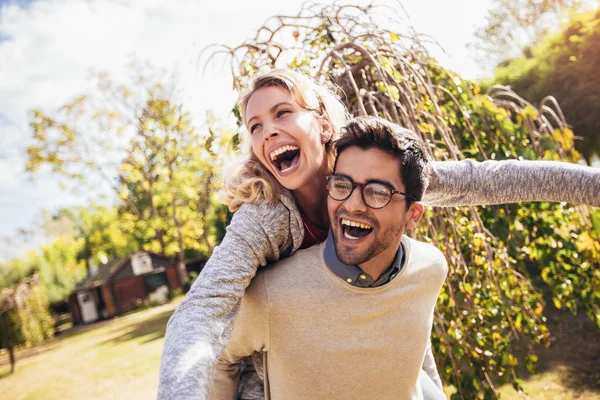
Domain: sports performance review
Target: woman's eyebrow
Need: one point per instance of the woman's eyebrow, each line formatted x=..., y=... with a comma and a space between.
x=272, y=109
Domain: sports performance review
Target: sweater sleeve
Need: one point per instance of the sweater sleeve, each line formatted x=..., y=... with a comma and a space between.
x=201, y=326
x=470, y=183
x=430, y=367
x=249, y=335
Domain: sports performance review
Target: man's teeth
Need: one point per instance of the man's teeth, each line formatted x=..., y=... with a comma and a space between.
x=282, y=149
x=356, y=224
x=349, y=236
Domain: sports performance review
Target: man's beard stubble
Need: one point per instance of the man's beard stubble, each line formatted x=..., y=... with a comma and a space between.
x=379, y=243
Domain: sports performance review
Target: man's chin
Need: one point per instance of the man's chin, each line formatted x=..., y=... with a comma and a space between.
x=351, y=252
x=350, y=256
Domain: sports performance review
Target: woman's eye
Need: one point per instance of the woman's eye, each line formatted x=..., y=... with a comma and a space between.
x=254, y=127
x=282, y=112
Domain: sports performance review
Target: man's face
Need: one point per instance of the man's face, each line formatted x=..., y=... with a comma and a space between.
x=380, y=241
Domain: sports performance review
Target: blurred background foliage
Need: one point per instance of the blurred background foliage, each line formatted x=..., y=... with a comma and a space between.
x=162, y=168
x=24, y=317
x=566, y=65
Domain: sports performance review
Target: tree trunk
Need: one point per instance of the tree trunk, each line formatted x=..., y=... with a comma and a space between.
x=203, y=206
x=159, y=232
x=11, y=357
x=183, y=276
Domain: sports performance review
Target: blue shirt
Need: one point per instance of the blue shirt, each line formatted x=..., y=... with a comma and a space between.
x=356, y=276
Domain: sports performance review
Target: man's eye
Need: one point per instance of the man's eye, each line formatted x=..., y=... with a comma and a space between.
x=377, y=190
x=341, y=186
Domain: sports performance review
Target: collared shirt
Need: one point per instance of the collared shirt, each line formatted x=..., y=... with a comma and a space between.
x=356, y=276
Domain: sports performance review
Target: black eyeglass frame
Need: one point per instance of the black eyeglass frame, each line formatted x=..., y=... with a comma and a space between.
x=362, y=186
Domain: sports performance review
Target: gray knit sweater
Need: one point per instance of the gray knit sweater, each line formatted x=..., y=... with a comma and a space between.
x=259, y=234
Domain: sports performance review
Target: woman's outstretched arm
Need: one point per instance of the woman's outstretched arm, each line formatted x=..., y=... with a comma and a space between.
x=201, y=326
x=471, y=183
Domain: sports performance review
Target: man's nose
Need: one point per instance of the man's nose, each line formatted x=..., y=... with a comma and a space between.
x=355, y=201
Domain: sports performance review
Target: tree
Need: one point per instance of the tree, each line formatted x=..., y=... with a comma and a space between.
x=102, y=232
x=489, y=300
x=565, y=65
x=56, y=264
x=134, y=136
x=24, y=317
x=511, y=26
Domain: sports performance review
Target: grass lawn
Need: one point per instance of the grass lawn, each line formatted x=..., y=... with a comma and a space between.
x=119, y=359
x=570, y=367
x=116, y=359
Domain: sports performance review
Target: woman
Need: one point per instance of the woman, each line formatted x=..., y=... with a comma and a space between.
x=279, y=193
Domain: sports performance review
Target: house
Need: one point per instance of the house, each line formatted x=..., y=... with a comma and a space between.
x=121, y=285
x=195, y=265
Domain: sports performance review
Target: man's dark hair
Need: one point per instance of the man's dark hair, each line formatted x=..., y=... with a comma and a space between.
x=406, y=145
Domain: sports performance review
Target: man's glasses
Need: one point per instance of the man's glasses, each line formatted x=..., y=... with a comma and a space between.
x=374, y=194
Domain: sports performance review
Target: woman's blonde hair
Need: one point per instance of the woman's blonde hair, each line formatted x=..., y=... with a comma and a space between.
x=246, y=180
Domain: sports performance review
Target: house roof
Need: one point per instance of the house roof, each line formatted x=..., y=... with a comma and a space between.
x=108, y=270
x=195, y=260
x=105, y=271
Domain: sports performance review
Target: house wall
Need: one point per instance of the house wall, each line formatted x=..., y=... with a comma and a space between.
x=124, y=273
x=195, y=265
x=109, y=301
x=74, y=309
x=126, y=270
x=172, y=278
x=129, y=293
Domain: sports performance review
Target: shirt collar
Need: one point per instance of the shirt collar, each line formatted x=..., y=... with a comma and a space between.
x=352, y=274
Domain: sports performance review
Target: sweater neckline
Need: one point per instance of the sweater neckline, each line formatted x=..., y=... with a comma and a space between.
x=406, y=242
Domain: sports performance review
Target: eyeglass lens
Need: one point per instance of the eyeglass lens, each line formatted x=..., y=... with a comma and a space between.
x=375, y=195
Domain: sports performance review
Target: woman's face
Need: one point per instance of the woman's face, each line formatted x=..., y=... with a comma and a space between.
x=286, y=138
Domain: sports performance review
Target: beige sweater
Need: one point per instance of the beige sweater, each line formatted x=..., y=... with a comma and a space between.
x=326, y=339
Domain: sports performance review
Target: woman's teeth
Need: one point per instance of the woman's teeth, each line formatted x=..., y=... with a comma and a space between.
x=282, y=150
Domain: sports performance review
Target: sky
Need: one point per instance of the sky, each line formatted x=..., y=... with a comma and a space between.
x=49, y=47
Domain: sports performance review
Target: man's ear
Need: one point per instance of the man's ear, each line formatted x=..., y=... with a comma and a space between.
x=414, y=214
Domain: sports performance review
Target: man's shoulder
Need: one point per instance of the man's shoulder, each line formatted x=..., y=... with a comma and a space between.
x=297, y=263
x=426, y=254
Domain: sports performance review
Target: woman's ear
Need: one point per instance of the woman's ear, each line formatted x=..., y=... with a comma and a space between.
x=326, y=129
x=414, y=214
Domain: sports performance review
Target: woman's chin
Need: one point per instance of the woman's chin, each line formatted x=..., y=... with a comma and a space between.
x=291, y=183
x=294, y=181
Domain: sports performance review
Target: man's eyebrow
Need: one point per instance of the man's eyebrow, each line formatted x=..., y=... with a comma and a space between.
x=381, y=181
x=271, y=110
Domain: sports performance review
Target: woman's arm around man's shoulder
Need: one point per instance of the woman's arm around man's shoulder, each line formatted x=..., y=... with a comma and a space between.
x=201, y=326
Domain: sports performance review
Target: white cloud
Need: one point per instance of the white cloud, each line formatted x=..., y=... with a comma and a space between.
x=48, y=48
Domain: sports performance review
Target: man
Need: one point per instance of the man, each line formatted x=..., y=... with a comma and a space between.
x=349, y=318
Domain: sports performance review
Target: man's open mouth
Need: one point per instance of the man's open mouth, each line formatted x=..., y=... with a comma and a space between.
x=353, y=230
x=285, y=158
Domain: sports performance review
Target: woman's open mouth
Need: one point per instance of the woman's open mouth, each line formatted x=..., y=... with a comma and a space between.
x=285, y=158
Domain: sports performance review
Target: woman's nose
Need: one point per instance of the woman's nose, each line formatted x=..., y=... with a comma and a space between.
x=270, y=130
